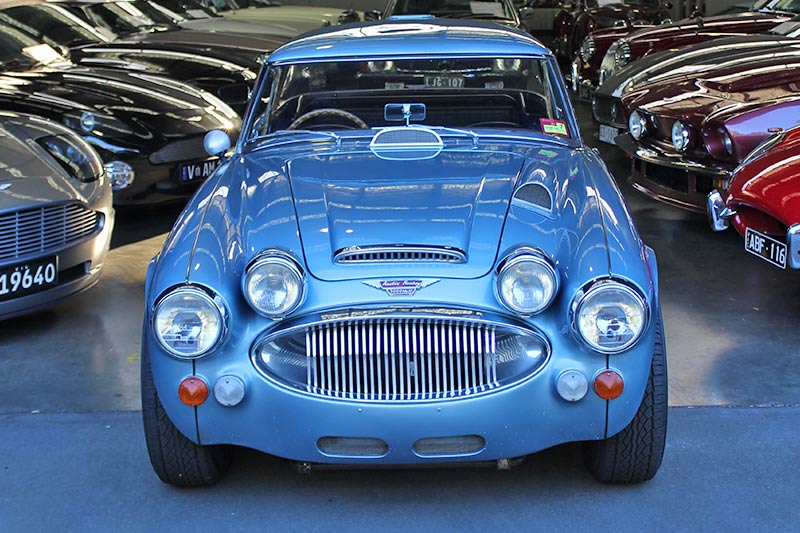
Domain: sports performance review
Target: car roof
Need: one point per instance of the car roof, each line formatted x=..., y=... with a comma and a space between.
x=412, y=37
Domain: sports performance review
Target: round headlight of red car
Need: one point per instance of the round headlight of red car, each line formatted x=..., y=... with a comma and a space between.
x=637, y=125
x=273, y=285
x=682, y=136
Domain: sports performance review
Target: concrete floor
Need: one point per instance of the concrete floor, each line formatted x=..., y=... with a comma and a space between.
x=730, y=318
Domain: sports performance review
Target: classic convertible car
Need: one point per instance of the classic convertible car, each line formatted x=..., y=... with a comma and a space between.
x=433, y=269
x=762, y=201
x=148, y=129
x=55, y=214
x=688, y=131
x=579, y=18
x=605, y=52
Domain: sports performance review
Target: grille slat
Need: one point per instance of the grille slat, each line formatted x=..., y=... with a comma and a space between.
x=399, y=254
x=400, y=359
x=186, y=149
x=42, y=229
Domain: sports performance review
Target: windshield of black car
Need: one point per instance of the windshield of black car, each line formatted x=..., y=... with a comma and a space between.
x=454, y=8
x=787, y=6
x=507, y=93
x=21, y=51
x=128, y=17
x=53, y=24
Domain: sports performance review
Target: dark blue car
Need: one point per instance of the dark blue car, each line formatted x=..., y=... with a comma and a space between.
x=409, y=257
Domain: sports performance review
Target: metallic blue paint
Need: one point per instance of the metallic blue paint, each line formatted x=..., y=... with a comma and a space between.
x=310, y=196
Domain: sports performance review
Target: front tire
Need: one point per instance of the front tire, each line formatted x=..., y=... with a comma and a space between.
x=634, y=454
x=177, y=460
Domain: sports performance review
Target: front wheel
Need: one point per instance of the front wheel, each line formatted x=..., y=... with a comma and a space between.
x=634, y=454
x=177, y=460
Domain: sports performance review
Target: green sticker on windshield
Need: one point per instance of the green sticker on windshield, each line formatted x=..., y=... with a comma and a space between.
x=554, y=127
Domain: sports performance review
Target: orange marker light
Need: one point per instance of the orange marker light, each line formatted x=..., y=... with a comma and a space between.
x=193, y=391
x=608, y=384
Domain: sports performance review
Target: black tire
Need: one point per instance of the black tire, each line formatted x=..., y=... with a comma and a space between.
x=177, y=460
x=634, y=454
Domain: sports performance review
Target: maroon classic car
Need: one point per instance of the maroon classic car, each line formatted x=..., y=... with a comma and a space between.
x=578, y=18
x=605, y=52
x=690, y=130
x=763, y=201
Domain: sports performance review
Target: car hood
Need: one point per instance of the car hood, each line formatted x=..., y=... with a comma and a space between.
x=249, y=27
x=137, y=107
x=455, y=200
x=26, y=179
x=685, y=62
x=689, y=31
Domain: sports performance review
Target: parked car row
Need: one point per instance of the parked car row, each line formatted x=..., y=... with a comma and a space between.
x=691, y=101
x=103, y=99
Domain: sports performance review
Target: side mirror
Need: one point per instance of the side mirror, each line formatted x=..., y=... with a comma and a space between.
x=372, y=15
x=348, y=15
x=216, y=142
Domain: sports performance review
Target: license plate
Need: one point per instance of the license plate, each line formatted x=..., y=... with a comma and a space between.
x=444, y=82
x=607, y=134
x=765, y=247
x=199, y=171
x=28, y=278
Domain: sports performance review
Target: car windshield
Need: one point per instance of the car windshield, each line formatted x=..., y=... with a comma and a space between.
x=19, y=51
x=54, y=24
x=129, y=17
x=187, y=9
x=787, y=6
x=454, y=8
x=503, y=93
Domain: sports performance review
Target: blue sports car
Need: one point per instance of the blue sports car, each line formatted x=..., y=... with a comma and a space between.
x=409, y=258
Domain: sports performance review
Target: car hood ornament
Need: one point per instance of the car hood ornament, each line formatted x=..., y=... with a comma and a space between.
x=401, y=287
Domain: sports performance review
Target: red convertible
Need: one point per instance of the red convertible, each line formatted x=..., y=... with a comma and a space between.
x=763, y=201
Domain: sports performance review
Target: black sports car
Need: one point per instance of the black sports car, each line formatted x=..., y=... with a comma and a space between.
x=217, y=70
x=148, y=129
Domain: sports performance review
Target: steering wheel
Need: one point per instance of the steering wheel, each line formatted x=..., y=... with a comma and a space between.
x=328, y=111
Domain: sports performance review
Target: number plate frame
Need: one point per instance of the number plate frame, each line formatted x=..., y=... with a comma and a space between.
x=770, y=250
x=607, y=134
x=199, y=171
x=10, y=290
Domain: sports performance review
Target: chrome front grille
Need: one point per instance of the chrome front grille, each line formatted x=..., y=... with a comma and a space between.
x=41, y=229
x=397, y=359
x=399, y=254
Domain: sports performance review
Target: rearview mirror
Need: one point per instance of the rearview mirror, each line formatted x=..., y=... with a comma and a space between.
x=404, y=112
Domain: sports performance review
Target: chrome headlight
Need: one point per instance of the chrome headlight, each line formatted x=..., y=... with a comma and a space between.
x=587, y=49
x=526, y=282
x=637, y=125
x=189, y=323
x=74, y=155
x=622, y=55
x=609, y=316
x=273, y=284
x=681, y=136
x=727, y=142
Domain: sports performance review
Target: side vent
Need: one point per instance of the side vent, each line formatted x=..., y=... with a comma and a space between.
x=535, y=194
x=406, y=142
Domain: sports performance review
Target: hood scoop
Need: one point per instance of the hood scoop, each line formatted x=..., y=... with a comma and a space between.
x=406, y=143
x=399, y=253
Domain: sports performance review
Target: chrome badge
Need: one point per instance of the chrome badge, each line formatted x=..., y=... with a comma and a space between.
x=401, y=287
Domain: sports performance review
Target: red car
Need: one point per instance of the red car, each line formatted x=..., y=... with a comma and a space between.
x=763, y=201
x=605, y=52
x=579, y=18
x=688, y=131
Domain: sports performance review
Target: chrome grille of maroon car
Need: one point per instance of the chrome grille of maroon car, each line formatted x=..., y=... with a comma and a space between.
x=401, y=359
x=400, y=254
x=180, y=150
x=40, y=229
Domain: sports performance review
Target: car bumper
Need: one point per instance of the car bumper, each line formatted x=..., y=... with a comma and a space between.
x=79, y=267
x=670, y=179
x=510, y=422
